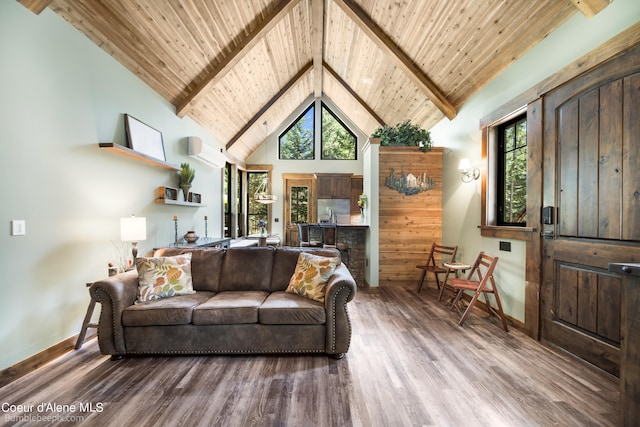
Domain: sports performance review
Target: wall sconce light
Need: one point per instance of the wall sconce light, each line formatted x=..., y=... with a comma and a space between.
x=468, y=172
x=133, y=229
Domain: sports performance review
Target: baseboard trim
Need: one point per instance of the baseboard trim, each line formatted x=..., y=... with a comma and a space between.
x=38, y=360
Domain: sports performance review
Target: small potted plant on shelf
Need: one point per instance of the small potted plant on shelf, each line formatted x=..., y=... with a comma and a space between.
x=404, y=134
x=186, y=175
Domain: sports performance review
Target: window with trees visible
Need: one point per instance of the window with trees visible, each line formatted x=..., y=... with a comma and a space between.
x=231, y=202
x=296, y=143
x=227, y=200
x=512, y=172
x=299, y=204
x=338, y=142
x=255, y=211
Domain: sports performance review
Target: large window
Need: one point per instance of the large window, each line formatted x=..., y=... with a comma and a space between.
x=256, y=211
x=228, y=226
x=338, y=142
x=296, y=143
x=512, y=172
x=231, y=200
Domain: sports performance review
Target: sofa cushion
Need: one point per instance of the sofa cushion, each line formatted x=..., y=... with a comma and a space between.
x=311, y=275
x=230, y=308
x=282, y=308
x=285, y=260
x=168, y=311
x=162, y=277
x=247, y=269
x=206, y=264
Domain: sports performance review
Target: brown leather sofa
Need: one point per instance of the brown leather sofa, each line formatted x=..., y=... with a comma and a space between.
x=252, y=313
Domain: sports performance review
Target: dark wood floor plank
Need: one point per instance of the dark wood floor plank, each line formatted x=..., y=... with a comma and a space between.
x=409, y=365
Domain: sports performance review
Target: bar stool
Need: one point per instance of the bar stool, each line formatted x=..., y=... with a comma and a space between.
x=86, y=324
x=330, y=240
x=304, y=236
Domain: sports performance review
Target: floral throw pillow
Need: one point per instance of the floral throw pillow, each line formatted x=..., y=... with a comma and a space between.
x=311, y=275
x=163, y=277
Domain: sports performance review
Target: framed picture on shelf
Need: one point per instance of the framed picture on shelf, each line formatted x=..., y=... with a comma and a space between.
x=195, y=197
x=143, y=138
x=168, y=193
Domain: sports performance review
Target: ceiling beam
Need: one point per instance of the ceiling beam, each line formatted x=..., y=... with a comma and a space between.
x=401, y=59
x=590, y=8
x=354, y=94
x=291, y=83
x=317, y=44
x=35, y=6
x=236, y=55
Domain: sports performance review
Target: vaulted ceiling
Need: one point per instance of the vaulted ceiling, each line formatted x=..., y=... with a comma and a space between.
x=231, y=65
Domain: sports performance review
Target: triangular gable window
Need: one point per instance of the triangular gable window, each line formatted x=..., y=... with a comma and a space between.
x=296, y=143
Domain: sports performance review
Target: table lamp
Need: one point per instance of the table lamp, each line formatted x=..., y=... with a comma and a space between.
x=133, y=229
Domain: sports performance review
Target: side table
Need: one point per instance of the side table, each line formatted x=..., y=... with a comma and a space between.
x=455, y=267
x=87, y=321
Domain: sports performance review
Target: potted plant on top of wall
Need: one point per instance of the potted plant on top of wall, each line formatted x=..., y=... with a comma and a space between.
x=404, y=134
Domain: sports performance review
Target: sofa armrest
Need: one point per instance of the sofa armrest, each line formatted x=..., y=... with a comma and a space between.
x=114, y=295
x=341, y=289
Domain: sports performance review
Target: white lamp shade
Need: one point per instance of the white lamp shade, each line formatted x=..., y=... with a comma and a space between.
x=465, y=164
x=133, y=229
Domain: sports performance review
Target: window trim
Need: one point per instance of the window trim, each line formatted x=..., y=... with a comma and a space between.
x=324, y=106
x=488, y=214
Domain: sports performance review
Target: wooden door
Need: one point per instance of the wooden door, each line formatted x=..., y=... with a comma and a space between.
x=299, y=204
x=591, y=150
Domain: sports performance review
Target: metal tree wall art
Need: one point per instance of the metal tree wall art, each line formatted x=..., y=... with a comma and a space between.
x=409, y=184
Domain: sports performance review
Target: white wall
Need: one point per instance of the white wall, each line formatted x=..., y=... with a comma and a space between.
x=461, y=202
x=60, y=95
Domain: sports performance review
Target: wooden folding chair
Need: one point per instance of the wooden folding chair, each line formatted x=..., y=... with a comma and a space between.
x=483, y=269
x=435, y=266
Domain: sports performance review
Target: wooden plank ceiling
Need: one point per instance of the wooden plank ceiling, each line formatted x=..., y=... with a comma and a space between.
x=231, y=65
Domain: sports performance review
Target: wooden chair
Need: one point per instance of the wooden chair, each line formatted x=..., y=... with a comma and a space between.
x=483, y=269
x=434, y=266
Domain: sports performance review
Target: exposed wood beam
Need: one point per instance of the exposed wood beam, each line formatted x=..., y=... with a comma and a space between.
x=304, y=70
x=317, y=44
x=35, y=6
x=590, y=8
x=236, y=55
x=401, y=59
x=354, y=94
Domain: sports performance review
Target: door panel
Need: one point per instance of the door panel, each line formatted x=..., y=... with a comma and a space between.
x=591, y=134
x=631, y=155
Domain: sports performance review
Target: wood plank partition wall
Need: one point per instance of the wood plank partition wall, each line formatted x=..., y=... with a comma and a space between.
x=408, y=224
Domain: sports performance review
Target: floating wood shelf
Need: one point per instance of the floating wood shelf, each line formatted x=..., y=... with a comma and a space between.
x=128, y=152
x=179, y=203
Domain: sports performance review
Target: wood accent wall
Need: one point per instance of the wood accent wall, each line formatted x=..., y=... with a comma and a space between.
x=408, y=224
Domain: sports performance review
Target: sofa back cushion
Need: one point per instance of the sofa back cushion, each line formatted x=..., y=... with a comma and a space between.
x=247, y=269
x=285, y=260
x=206, y=265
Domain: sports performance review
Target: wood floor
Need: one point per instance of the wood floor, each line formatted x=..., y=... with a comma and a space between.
x=409, y=365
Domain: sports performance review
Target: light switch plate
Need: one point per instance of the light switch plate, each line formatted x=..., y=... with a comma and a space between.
x=18, y=227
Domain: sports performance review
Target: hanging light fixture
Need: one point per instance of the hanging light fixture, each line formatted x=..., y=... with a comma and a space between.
x=262, y=194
